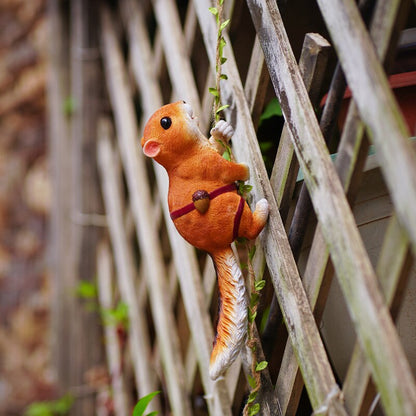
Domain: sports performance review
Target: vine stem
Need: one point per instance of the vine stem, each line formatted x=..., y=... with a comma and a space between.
x=218, y=63
x=251, y=341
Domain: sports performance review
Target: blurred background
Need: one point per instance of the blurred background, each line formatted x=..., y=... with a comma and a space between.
x=25, y=356
x=56, y=85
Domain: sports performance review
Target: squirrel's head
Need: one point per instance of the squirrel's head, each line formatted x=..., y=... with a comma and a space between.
x=172, y=133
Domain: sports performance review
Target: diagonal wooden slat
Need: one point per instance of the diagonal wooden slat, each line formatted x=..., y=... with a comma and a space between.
x=376, y=103
x=141, y=202
x=312, y=65
x=298, y=317
x=114, y=357
x=372, y=321
x=203, y=362
x=138, y=337
x=184, y=256
x=173, y=40
x=393, y=257
x=348, y=154
x=318, y=271
x=317, y=277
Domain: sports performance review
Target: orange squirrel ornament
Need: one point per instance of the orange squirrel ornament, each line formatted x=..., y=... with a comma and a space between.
x=207, y=211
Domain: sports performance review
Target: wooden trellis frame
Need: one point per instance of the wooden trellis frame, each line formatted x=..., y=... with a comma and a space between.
x=176, y=359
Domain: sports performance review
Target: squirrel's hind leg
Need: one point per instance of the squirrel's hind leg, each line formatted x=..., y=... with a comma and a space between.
x=253, y=222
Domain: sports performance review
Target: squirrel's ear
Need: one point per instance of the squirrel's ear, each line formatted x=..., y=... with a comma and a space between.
x=151, y=148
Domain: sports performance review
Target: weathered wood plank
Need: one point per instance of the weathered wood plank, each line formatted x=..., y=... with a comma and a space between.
x=84, y=352
x=114, y=358
x=141, y=203
x=176, y=53
x=61, y=266
x=284, y=173
x=350, y=152
x=371, y=317
x=138, y=332
x=312, y=64
x=376, y=103
x=389, y=269
x=299, y=320
x=141, y=57
x=318, y=273
x=186, y=266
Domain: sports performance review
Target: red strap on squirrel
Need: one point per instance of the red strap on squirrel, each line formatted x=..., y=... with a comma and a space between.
x=213, y=194
x=237, y=217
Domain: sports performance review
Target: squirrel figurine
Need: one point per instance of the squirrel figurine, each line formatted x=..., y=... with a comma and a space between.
x=207, y=211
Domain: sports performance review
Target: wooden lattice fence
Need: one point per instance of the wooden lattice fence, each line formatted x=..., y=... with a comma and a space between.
x=342, y=229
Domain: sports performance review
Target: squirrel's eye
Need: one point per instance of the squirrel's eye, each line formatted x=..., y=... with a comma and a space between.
x=166, y=122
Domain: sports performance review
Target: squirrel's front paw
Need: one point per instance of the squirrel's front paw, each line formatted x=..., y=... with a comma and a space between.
x=222, y=131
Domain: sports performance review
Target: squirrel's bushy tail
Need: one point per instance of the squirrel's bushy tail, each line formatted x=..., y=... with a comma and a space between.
x=232, y=322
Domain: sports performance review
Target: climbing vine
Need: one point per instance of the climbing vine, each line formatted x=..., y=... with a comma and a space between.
x=219, y=59
x=251, y=408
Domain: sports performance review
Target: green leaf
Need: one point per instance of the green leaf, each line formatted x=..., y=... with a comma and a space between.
x=59, y=407
x=223, y=107
x=221, y=46
x=152, y=414
x=254, y=409
x=272, y=109
x=254, y=299
x=252, y=316
x=261, y=365
x=70, y=105
x=252, y=397
x=264, y=319
x=227, y=155
x=39, y=409
x=259, y=285
x=244, y=189
x=241, y=240
x=143, y=403
x=223, y=60
x=223, y=76
x=86, y=290
x=252, y=252
x=213, y=91
x=116, y=316
x=251, y=381
x=213, y=10
x=224, y=24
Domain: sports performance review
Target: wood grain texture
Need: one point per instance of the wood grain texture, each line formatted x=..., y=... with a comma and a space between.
x=142, y=209
x=138, y=334
x=112, y=345
x=372, y=321
x=184, y=256
x=304, y=334
x=376, y=103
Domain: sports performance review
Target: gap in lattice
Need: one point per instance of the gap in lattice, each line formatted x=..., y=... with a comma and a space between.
x=240, y=395
x=242, y=35
x=151, y=24
x=199, y=62
x=182, y=325
x=198, y=401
